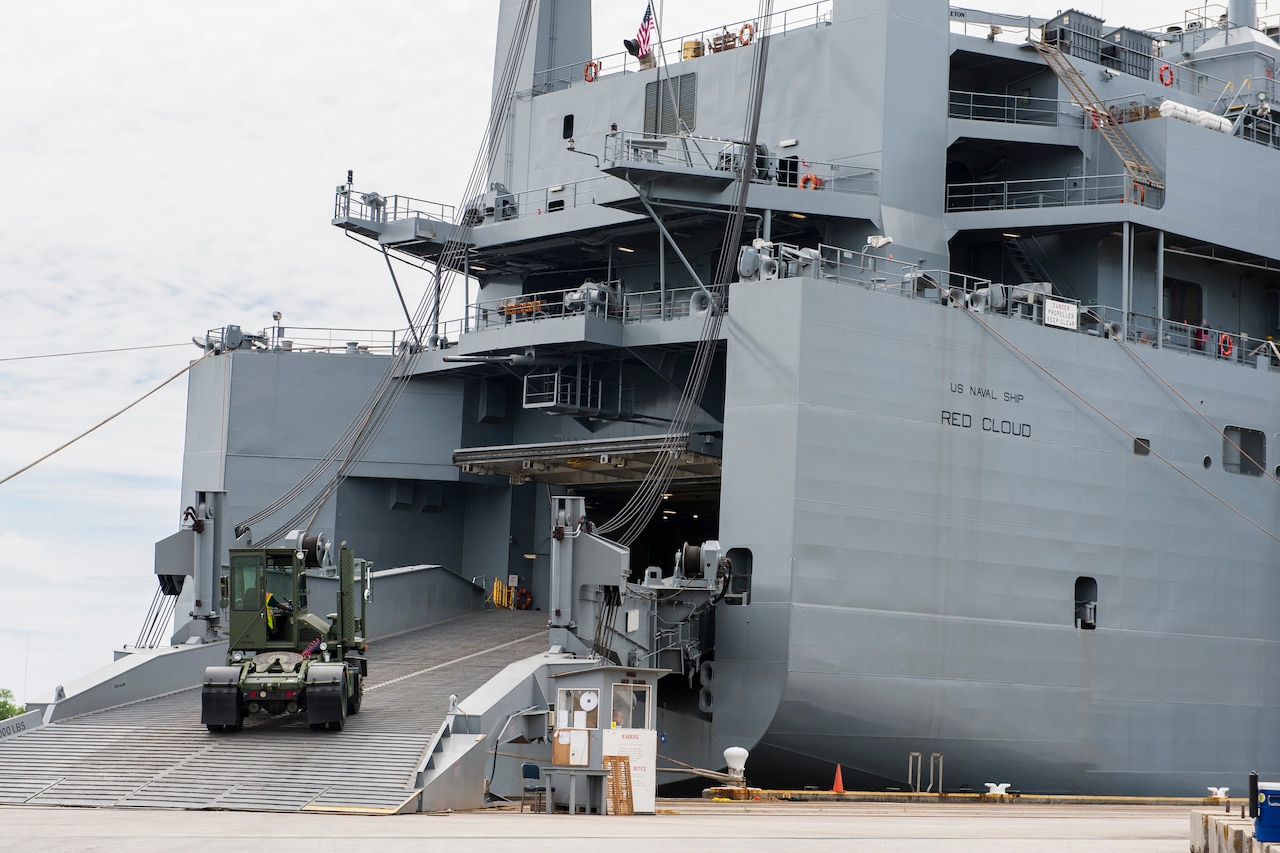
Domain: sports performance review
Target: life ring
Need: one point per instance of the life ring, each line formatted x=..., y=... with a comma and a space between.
x=1225, y=345
x=811, y=182
x=745, y=34
x=523, y=599
x=590, y=71
x=1166, y=75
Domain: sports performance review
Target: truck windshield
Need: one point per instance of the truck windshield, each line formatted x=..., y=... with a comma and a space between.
x=246, y=570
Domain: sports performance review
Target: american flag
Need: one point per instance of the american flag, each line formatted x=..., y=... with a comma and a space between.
x=646, y=26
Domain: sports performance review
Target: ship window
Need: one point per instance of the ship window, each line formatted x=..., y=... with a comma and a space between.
x=671, y=106
x=1142, y=446
x=1244, y=451
x=567, y=133
x=1086, y=605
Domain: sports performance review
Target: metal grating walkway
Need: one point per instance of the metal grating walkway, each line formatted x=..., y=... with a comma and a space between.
x=156, y=753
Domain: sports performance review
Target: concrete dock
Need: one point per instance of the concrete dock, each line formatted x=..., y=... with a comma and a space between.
x=694, y=826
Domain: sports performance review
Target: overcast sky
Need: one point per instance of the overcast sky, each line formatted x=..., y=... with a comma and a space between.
x=169, y=168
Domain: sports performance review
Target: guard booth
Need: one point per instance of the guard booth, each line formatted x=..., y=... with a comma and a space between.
x=604, y=748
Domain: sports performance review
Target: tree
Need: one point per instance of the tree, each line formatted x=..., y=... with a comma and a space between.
x=8, y=707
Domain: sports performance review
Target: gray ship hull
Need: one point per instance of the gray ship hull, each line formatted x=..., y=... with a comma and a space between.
x=932, y=498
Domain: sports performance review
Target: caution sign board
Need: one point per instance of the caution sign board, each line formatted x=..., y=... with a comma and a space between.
x=640, y=747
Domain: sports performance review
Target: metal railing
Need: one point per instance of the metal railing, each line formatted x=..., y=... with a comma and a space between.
x=1126, y=109
x=602, y=300
x=306, y=339
x=1032, y=303
x=1014, y=109
x=1160, y=333
x=725, y=158
x=375, y=207
x=556, y=198
x=856, y=267
x=1050, y=192
x=713, y=40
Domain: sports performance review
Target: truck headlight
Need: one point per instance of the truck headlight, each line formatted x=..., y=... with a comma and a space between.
x=237, y=656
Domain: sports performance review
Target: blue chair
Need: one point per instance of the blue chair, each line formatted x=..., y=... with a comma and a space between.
x=531, y=777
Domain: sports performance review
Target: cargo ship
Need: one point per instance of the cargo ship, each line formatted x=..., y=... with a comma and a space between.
x=955, y=330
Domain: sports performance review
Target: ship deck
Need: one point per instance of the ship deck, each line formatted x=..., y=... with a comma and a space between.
x=157, y=754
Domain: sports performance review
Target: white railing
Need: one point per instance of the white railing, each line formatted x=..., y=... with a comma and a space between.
x=713, y=40
x=375, y=207
x=600, y=300
x=726, y=158
x=1050, y=192
x=1014, y=109
x=307, y=339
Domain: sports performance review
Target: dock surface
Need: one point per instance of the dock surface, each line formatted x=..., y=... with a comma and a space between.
x=681, y=826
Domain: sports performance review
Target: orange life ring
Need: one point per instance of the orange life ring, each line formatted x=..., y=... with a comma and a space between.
x=523, y=599
x=1225, y=345
x=811, y=182
x=746, y=34
x=1166, y=75
x=590, y=71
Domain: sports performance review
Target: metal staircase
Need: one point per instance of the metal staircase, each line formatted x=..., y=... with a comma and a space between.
x=1027, y=268
x=1135, y=163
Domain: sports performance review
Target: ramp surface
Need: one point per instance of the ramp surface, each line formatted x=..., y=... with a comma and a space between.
x=157, y=754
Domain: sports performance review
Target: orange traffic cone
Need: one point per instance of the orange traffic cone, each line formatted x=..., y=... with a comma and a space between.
x=838, y=786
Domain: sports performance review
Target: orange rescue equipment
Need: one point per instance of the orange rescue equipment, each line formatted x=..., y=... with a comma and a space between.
x=1166, y=75
x=591, y=71
x=811, y=182
x=523, y=599
x=746, y=34
x=1225, y=345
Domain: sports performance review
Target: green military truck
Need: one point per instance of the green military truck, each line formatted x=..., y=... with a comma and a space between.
x=281, y=657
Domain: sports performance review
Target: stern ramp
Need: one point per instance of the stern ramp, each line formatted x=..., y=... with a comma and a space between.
x=156, y=754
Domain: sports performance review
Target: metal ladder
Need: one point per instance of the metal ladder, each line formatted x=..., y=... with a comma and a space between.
x=1027, y=268
x=1136, y=164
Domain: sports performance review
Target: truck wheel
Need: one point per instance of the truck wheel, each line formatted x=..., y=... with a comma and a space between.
x=357, y=693
x=336, y=725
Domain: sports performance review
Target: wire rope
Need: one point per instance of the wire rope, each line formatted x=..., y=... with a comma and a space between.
x=92, y=352
x=368, y=421
x=101, y=423
x=634, y=517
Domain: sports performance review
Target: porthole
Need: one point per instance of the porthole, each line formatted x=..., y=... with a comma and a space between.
x=1207, y=463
